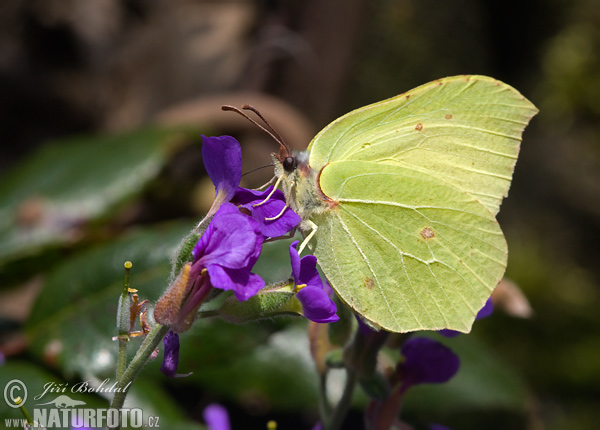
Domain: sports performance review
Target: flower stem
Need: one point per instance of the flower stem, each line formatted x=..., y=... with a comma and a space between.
x=324, y=406
x=122, y=360
x=123, y=322
x=24, y=410
x=149, y=344
x=341, y=409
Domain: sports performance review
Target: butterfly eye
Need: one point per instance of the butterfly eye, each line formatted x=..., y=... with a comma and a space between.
x=290, y=164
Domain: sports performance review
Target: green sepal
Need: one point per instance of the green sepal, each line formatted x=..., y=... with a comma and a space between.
x=184, y=252
x=123, y=315
x=375, y=386
x=272, y=301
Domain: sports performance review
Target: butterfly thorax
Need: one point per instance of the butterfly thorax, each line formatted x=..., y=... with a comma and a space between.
x=300, y=186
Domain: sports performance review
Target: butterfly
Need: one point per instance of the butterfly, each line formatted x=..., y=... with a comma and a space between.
x=398, y=201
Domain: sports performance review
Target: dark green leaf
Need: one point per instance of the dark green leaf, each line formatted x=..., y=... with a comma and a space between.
x=47, y=199
x=74, y=318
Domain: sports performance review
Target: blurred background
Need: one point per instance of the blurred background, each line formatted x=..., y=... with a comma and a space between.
x=102, y=103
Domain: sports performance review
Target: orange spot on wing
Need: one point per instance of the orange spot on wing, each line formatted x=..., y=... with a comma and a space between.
x=427, y=233
x=419, y=127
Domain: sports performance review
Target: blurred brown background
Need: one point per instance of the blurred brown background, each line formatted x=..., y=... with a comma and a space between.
x=69, y=67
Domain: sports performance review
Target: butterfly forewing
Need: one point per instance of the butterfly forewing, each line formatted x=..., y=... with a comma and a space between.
x=404, y=250
x=464, y=130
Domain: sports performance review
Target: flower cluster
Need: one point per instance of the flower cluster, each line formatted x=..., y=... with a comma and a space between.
x=223, y=258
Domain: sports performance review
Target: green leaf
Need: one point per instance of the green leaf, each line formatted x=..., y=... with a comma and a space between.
x=251, y=364
x=274, y=262
x=149, y=396
x=34, y=380
x=47, y=199
x=74, y=317
x=145, y=394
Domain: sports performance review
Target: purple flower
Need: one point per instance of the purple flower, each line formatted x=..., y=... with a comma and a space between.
x=273, y=219
x=317, y=306
x=427, y=362
x=216, y=417
x=171, y=356
x=223, y=258
x=484, y=312
x=228, y=250
x=222, y=158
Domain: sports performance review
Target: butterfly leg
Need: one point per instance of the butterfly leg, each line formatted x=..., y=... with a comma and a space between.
x=313, y=230
x=271, y=193
x=289, y=235
x=262, y=187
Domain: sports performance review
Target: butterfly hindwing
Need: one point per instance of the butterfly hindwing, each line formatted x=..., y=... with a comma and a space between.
x=404, y=250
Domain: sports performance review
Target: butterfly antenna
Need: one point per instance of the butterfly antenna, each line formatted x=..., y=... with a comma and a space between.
x=257, y=168
x=269, y=126
x=269, y=129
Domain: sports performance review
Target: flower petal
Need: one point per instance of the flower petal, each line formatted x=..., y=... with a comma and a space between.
x=222, y=158
x=241, y=281
x=283, y=222
x=316, y=305
x=171, y=354
x=427, y=362
x=309, y=274
x=486, y=310
x=232, y=240
x=296, y=262
x=216, y=417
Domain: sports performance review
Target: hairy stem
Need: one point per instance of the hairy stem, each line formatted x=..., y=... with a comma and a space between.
x=137, y=363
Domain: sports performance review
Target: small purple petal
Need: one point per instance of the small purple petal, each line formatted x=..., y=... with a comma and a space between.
x=222, y=158
x=216, y=417
x=316, y=305
x=438, y=427
x=364, y=329
x=309, y=274
x=449, y=333
x=295, y=261
x=486, y=310
x=241, y=281
x=171, y=354
x=304, y=270
x=427, y=362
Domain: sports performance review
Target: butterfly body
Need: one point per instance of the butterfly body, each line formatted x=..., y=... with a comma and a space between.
x=403, y=196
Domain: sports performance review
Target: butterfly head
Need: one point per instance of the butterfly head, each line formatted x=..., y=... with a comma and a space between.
x=298, y=180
